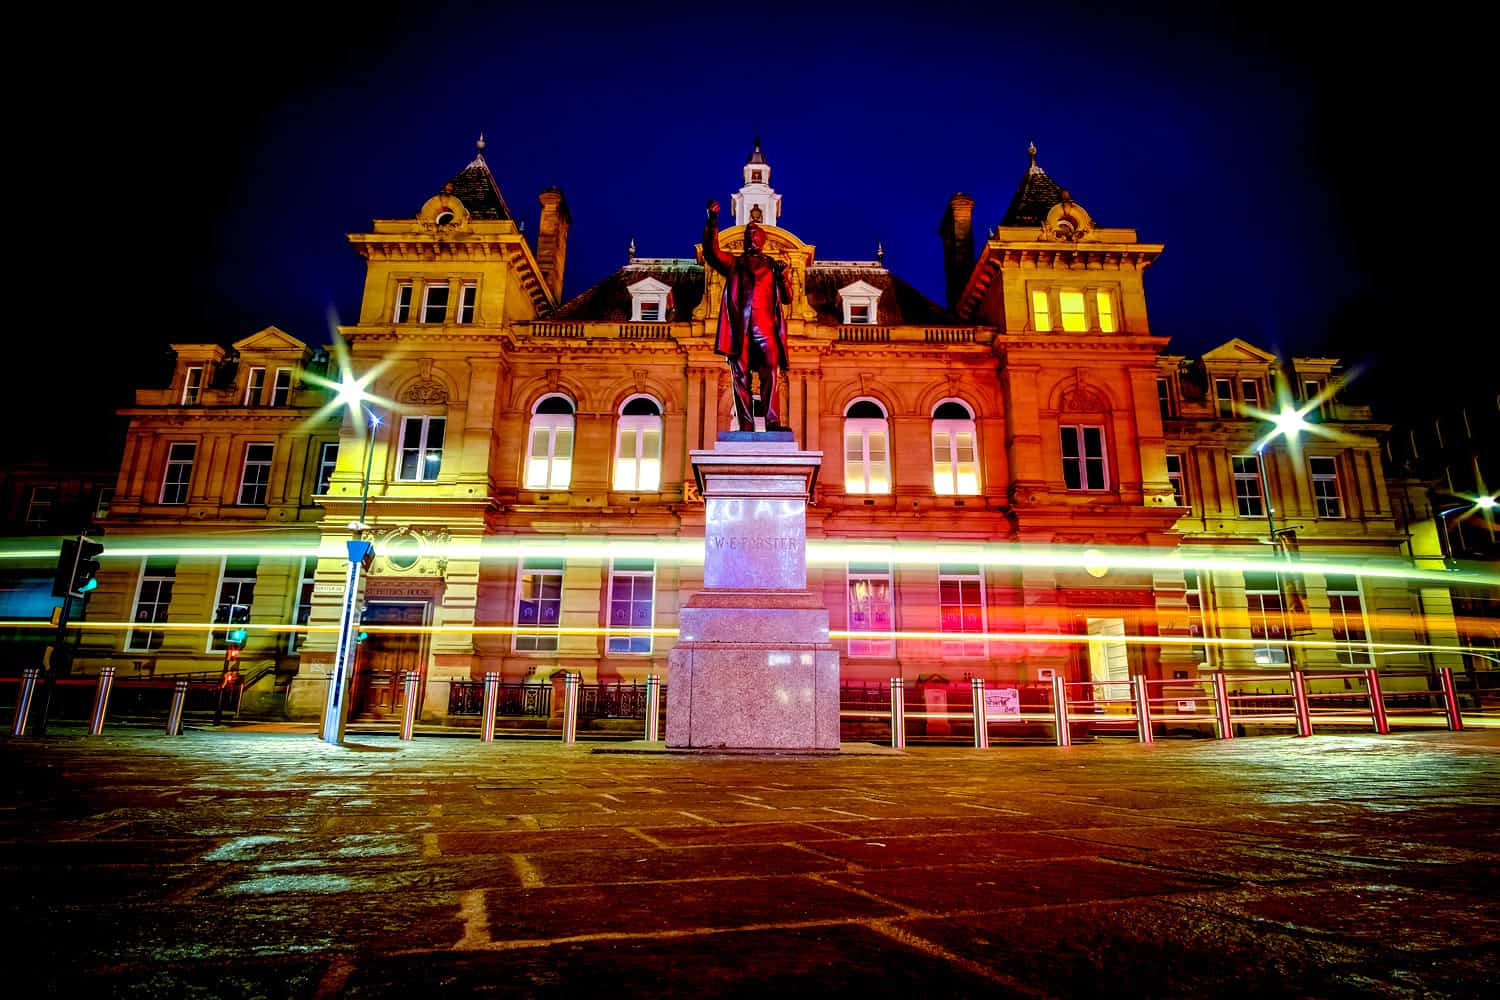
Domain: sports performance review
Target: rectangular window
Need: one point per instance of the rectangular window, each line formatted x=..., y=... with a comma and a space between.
x=1325, y=484
x=179, y=474
x=303, y=613
x=1250, y=390
x=421, y=448
x=434, y=303
x=1224, y=397
x=1164, y=397
x=1348, y=621
x=236, y=592
x=870, y=608
x=1084, y=467
x=954, y=468
x=961, y=608
x=867, y=467
x=650, y=311
x=1106, y=304
x=1194, y=596
x=859, y=312
x=1174, y=476
x=1264, y=601
x=549, y=461
x=539, y=603
x=1247, y=495
x=151, y=603
x=1070, y=304
x=638, y=457
x=468, y=295
x=1310, y=391
x=192, y=386
x=39, y=506
x=255, y=480
x=102, y=501
x=281, y=390
x=403, y=303
x=1041, y=315
x=255, y=384
x=328, y=460
x=632, y=585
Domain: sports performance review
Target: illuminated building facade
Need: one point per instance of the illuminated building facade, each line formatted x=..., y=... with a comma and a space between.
x=1033, y=411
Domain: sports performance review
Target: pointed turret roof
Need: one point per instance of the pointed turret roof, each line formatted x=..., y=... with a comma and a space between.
x=756, y=156
x=475, y=186
x=1034, y=198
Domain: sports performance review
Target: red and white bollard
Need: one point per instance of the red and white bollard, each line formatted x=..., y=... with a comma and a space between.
x=101, y=701
x=1221, y=706
x=570, y=707
x=1299, y=703
x=1450, y=701
x=1060, y=711
x=898, y=713
x=409, y=718
x=1141, y=689
x=981, y=720
x=653, y=707
x=24, y=692
x=1377, y=702
x=174, y=714
x=491, y=707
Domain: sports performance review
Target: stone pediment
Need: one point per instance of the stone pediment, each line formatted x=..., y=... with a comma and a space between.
x=270, y=340
x=1238, y=350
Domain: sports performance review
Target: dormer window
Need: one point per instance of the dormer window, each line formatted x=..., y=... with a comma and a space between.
x=192, y=386
x=859, y=312
x=650, y=301
x=444, y=218
x=861, y=302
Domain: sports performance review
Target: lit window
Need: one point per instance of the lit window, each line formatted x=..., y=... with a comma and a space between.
x=1070, y=305
x=1325, y=483
x=1250, y=389
x=870, y=608
x=179, y=474
x=549, y=455
x=402, y=311
x=255, y=384
x=468, y=296
x=1267, y=617
x=638, y=451
x=1174, y=476
x=434, y=303
x=421, y=448
x=1224, y=397
x=1106, y=303
x=102, y=501
x=1348, y=621
x=955, y=469
x=236, y=593
x=1041, y=315
x=1084, y=467
x=539, y=603
x=632, y=584
x=961, y=608
x=151, y=603
x=39, y=506
x=303, y=613
x=281, y=389
x=867, y=463
x=255, y=479
x=192, y=386
x=1164, y=397
x=328, y=460
x=1248, y=498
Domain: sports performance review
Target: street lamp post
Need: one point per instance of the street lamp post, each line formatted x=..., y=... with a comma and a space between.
x=360, y=552
x=1288, y=424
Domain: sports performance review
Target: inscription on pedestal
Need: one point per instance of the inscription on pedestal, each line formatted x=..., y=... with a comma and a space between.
x=755, y=544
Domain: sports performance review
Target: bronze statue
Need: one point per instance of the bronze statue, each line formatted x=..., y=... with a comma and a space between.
x=752, y=319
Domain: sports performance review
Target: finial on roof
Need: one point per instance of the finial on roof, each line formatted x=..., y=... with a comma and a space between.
x=990, y=234
x=880, y=251
x=631, y=249
x=1031, y=151
x=479, y=146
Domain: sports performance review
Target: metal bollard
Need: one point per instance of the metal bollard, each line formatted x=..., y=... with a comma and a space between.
x=491, y=707
x=409, y=719
x=174, y=714
x=1221, y=706
x=898, y=713
x=24, y=691
x=101, y=700
x=1299, y=700
x=1141, y=688
x=1450, y=701
x=981, y=720
x=1377, y=702
x=653, y=707
x=1060, y=711
x=570, y=707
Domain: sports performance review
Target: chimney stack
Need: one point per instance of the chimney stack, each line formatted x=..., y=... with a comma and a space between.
x=552, y=239
x=957, y=231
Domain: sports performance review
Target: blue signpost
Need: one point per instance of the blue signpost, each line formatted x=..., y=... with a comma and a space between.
x=336, y=708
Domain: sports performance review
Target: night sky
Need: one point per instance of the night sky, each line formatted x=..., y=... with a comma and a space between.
x=1298, y=172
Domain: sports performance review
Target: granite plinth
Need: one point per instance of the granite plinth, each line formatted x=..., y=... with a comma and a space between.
x=752, y=696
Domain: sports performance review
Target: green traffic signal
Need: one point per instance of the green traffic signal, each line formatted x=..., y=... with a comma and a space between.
x=77, y=567
x=237, y=636
x=362, y=636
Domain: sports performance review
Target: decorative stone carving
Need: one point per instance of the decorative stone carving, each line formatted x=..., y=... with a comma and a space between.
x=425, y=391
x=1085, y=399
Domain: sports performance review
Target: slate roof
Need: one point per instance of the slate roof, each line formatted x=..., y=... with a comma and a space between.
x=475, y=186
x=1034, y=198
x=609, y=300
x=900, y=303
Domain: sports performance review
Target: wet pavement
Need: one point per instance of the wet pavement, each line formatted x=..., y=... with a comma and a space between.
x=227, y=863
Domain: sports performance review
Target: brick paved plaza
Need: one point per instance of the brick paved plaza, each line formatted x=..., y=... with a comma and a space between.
x=235, y=864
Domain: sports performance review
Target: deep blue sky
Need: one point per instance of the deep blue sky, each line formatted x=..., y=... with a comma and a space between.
x=1269, y=152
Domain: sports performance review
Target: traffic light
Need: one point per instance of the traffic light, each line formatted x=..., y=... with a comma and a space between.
x=236, y=636
x=77, y=567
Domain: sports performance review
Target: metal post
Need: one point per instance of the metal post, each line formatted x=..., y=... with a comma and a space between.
x=1060, y=711
x=1142, y=691
x=409, y=719
x=898, y=713
x=1221, y=706
x=570, y=707
x=1450, y=701
x=174, y=714
x=24, y=691
x=491, y=706
x=653, y=707
x=1299, y=701
x=1377, y=702
x=981, y=720
x=336, y=707
x=101, y=700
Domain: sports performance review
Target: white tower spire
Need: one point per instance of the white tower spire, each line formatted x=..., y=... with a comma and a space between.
x=756, y=201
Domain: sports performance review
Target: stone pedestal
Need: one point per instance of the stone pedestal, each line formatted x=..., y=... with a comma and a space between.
x=753, y=668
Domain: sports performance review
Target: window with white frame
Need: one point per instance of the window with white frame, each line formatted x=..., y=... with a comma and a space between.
x=1325, y=484
x=421, y=449
x=468, y=298
x=1174, y=476
x=1072, y=309
x=192, y=386
x=1084, y=464
x=870, y=609
x=632, y=586
x=867, y=462
x=638, y=445
x=955, y=467
x=153, y=598
x=539, y=604
x=1267, y=608
x=961, y=608
x=281, y=389
x=1104, y=301
x=650, y=301
x=1311, y=389
x=328, y=461
x=402, y=312
x=102, y=500
x=549, y=451
x=255, y=384
x=434, y=303
x=1041, y=312
x=236, y=594
x=1224, y=397
x=1348, y=613
x=1196, y=624
x=255, y=478
x=1248, y=499
x=1164, y=398
x=1250, y=392
x=179, y=473
x=860, y=301
x=302, y=613
x=39, y=506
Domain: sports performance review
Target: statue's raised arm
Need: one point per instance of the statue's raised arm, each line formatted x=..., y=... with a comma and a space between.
x=713, y=256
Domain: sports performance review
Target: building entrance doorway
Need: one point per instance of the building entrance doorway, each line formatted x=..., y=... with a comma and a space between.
x=1109, y=662
x=385, y=658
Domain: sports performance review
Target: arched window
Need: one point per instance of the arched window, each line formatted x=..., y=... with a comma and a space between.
x=867, y=460
x=638, y=445
x=955, y=469
x=549, y=453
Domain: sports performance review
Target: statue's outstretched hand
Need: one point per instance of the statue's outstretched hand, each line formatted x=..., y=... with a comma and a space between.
x=713, y=207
